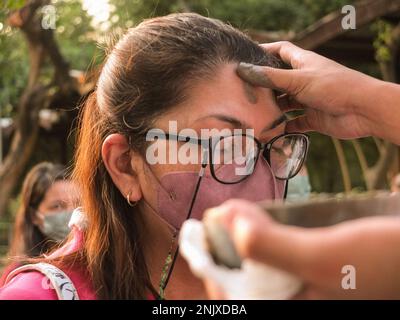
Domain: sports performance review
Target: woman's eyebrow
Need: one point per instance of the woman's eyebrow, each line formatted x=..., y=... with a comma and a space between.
x=236, y=123
x=276, y=123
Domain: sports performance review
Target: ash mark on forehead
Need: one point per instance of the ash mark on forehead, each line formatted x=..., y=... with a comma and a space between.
x=250, y=92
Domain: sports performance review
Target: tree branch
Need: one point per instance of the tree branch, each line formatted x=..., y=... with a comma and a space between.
x=41, y=43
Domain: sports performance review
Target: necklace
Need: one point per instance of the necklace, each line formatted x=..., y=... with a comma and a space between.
x=167, y=268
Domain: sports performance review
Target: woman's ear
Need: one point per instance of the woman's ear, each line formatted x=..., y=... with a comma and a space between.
x=116, y=155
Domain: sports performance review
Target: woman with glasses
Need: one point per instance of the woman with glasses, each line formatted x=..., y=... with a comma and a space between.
x=229, y=141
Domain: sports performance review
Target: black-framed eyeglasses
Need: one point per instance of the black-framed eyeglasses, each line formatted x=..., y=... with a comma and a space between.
x=238, y=154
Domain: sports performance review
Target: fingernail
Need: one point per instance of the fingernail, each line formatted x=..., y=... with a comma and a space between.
x=220, y=244
x=254, y=75
x=245, y=65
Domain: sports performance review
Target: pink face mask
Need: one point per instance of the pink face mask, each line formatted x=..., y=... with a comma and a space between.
x=177, y=189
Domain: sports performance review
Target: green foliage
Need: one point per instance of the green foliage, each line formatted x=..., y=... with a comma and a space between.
x=383, y=40
x=13, y=62
x=264, y=15
x=322, y=7
x=75, y=34
x=323, y=164
x=12, y=4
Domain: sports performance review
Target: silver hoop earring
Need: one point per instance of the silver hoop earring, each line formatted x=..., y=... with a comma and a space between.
x=129, y=201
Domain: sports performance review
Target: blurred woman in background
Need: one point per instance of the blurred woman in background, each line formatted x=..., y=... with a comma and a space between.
x=47, y=200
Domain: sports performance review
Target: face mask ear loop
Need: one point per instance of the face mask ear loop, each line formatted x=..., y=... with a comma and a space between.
x=273, y=177
x=164, y=283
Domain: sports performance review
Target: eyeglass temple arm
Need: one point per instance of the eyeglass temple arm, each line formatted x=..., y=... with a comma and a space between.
x=181, y=138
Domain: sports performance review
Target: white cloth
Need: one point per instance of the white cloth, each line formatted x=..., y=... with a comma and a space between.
x=253, y=281
x=78, y=219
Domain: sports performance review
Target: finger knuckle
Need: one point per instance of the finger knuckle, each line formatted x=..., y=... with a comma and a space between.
x=249, y=240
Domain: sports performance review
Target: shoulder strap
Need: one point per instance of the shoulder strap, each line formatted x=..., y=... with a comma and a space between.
x=59, y=281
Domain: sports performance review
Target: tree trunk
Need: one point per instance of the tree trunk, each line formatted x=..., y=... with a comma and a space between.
x=377, y=175
x=36, y=96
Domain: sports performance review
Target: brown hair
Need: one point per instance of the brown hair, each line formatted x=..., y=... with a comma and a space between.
x=28, y=240
x=148, y=72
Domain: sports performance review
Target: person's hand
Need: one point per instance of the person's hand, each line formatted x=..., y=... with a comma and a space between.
x=336, y=100
x=317, y=256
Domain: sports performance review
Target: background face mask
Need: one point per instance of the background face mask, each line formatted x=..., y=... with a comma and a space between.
x=176, y=189
x=55, y=226
x=299, y=188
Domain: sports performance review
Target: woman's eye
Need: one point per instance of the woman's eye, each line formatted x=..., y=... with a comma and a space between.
x=57, y=206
